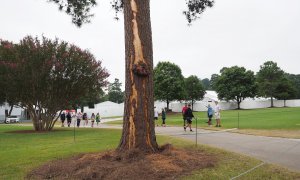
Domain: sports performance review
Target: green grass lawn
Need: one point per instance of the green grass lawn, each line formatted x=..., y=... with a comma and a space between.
x=269, y=118
x=20, y=153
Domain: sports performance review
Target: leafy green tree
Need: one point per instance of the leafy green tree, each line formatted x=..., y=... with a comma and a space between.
x=295, y=80
x=194, y=89
x=104, y=97
x=138, y=126
x=206, y=84
x=168, y=82
x=49, y=76
x=285, y=90
x=115, y=93
x=213, y=80
x=235, y=83
x=8, y=91
x=268, y=78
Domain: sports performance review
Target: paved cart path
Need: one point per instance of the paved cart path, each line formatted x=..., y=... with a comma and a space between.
x=282, y=151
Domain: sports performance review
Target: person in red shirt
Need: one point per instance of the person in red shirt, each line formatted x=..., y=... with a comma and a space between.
x=183, y=115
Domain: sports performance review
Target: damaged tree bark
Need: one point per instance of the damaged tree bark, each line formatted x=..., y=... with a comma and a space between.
x=138, y=125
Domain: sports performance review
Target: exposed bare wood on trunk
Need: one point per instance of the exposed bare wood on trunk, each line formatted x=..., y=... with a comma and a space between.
x=138, y=126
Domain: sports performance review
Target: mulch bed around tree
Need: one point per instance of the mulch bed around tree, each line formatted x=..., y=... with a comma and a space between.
x=169, y=163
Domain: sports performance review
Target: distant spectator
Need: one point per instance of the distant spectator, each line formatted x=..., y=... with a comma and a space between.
x=183, y=115
x=163, y=117
x=218, y=114
x=85, y=118
x=98, y=118
x=156, y=116
x=63, y=118
x=189, y=116
x=69, y=119
x=210, y=113
x=92, y=119
x=78, y=117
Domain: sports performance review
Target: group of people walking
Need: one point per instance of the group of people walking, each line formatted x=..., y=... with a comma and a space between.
x=187, y=115
x=80, y=116
x=63, y=117
x=211, y=112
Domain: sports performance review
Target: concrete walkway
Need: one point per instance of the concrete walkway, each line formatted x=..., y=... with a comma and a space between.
x=282, y=151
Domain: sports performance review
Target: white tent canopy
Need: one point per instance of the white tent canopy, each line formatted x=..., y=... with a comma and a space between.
x=106, y=109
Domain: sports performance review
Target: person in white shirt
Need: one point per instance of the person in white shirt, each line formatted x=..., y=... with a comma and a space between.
x=218, y=114
x=156, y=116
x=79, y=117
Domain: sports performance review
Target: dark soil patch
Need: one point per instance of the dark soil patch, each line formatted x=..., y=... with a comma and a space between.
x=169, y=163
x=33, y=131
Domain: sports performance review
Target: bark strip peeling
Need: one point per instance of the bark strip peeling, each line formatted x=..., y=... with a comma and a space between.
x=140, y=66
x=138, y=126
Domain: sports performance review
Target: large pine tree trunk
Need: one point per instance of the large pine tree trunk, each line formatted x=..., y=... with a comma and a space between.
x=138, y=126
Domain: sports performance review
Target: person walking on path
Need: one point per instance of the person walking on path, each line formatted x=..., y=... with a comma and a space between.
x=218, y=114
x=183, y=115
x=156, y=116
x=189, y=116
x=85, y=118
x=63, y=118
x=69, y=119
x=210, y=113
x=98, y=118
x=163, y=117
x=78, y=116
x=93, y=119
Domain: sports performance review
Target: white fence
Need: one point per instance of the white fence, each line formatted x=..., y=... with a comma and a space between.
x=246, y=104
x=17, y=111
x=108, y=109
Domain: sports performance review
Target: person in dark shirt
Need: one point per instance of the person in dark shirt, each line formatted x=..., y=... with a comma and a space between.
x=63, y=118
x=163, y=117
x=189, y=116
x=69, y=119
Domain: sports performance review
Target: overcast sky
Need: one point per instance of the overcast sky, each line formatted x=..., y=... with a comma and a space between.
x=234, y=32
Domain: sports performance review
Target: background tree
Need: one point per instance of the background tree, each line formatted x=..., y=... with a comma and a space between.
x=213, y=80
x=235, y=83
x=138, y=126
x=295, y=80
x=285, y=90
x=115, y=93
x=168, y=82
x=206, y=84
x=268, y=78
x=49, y=76
x=194, y=89
x=8, y=88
